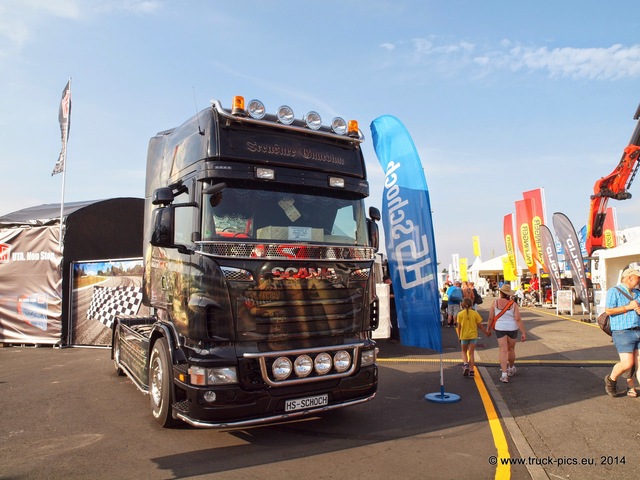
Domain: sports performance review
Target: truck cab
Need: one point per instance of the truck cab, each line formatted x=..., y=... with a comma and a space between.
x=258, y=271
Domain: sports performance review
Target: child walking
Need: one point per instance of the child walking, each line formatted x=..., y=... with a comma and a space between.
x=468, y=322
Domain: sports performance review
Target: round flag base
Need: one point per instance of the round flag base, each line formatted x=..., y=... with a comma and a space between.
x=442, y=397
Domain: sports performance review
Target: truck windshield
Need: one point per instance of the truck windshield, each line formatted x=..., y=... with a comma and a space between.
x=276, y=216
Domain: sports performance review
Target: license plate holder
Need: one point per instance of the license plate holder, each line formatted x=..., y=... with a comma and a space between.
x=306, y=403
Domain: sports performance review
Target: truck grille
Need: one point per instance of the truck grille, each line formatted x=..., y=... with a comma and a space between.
x=273, y=315
x=285, y=251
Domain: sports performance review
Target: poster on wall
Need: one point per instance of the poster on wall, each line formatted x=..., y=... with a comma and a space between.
x=100, y=291
x=30, y=285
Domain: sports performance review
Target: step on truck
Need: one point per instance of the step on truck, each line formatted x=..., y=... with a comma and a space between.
x=258, y=270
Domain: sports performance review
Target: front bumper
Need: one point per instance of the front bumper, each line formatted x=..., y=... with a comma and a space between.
x=235, y=407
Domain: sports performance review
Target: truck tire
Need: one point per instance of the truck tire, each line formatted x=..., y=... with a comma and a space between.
x=160, y=380
x=116, y=352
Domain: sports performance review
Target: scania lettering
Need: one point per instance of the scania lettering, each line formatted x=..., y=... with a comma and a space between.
x=258, y=271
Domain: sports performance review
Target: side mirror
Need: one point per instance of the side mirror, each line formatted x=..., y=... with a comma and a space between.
x=374, y=234
x=163, y=222
x=372, y=226
x=215, y=192
x=162, y=196
x=374, y=213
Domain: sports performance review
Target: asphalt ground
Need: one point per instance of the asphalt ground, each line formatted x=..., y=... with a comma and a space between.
x=66, y=414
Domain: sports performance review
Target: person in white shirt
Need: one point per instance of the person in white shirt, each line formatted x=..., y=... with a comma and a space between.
x=504, y=319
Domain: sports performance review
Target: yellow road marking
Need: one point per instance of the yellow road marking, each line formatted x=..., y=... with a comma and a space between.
x=503, y=471
x=564, y=317
x=578, y=363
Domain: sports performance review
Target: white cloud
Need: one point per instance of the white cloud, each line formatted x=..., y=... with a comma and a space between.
x=19, y=18
x=610, y=63
x=593, y=63
x=136, y=6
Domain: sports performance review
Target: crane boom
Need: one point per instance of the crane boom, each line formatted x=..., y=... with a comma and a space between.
x=615, y=185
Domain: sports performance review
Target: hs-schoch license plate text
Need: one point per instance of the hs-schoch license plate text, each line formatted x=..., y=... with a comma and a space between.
x=308, y=402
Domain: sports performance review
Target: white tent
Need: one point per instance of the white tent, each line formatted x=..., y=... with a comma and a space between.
x=609, y=263
x=489, y=269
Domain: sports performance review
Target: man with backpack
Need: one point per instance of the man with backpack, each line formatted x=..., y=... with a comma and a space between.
x=454, y=296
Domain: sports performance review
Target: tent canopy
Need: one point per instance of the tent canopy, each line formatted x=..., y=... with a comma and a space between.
x=48, y=214
x=489, y=267
x=35, y=304
x=612, y=261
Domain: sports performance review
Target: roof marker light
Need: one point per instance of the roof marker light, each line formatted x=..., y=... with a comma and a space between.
x=353, y=130
x=336, y=182
x=238, y=106
x=265, y=173
x=313, y=120
x=285, y=115
x=256, y=109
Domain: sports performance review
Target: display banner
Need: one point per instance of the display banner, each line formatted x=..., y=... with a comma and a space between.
x=476, y=245
x=464, y=269
x=507, y=270
x=537, y=217
x=609, y=228
x=507, y=228
x=455, y=258
x=550, y=256
x=525, y=234
x=64, y=117
x=569, y=239
x=30, y=285
x=582, y=240
x=409, y=236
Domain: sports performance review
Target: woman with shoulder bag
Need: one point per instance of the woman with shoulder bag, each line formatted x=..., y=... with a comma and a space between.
x=504, y=319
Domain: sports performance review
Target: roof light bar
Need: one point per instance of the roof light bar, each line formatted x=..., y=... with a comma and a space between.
x=285, y=115
x=313, y=120
x=339, y=126
x=256, y=109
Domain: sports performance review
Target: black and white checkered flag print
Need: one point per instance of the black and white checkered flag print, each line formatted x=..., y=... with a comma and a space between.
x=109, y=302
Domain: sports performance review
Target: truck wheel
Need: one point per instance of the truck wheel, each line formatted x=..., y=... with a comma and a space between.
x=160, y=380
x=116, y=352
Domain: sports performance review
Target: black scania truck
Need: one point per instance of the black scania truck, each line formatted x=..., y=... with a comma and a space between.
x=258, y=270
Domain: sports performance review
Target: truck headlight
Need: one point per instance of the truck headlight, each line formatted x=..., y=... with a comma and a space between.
x=213, y=376
x=303, y=366
x=342, y=361
x=323, y=363
x=368, y=357
x=282, y=368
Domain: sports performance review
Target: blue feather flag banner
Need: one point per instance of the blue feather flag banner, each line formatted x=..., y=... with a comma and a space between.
x=409, y=237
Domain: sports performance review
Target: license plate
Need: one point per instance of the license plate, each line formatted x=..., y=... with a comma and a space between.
x=308, y=402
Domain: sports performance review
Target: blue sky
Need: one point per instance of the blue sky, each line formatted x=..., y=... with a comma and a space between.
x=500, y=97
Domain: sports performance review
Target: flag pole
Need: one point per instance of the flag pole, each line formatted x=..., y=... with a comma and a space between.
x=64, y=117
x=442, y=396
x=64, y=177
